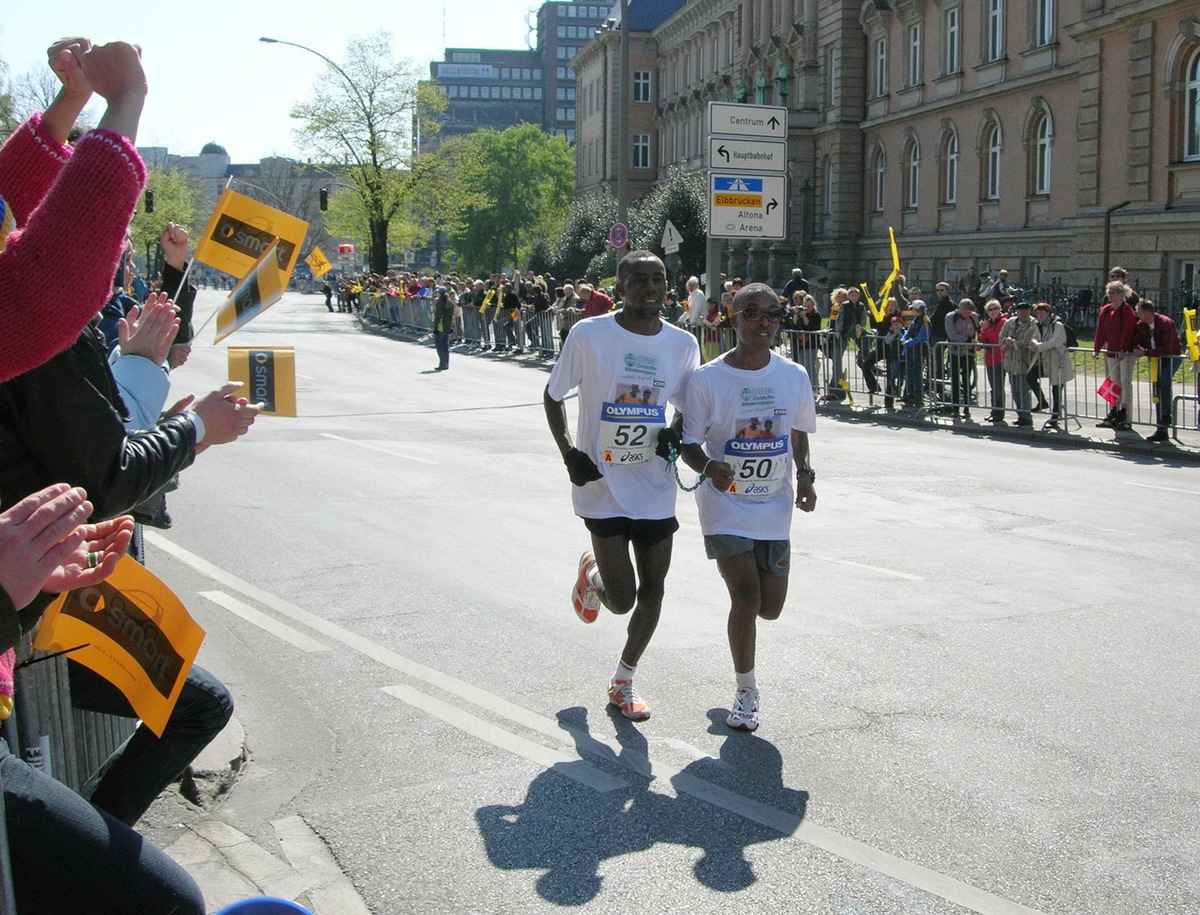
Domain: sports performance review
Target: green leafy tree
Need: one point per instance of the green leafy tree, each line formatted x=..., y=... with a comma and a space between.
x=361, y=119
x=683, y=199
x=176, y=199
x=519, y=182
x=585, y=236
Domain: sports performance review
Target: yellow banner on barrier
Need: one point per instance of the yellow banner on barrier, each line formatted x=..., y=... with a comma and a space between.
x=318, y=262
x=241, y=229
x=268, y=376
x=135, y=633
x=252, y=296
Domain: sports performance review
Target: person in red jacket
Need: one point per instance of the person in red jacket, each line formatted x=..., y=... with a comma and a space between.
x=595, y=302
x=1157, y=337
x=1114, y=334
x=993, y=356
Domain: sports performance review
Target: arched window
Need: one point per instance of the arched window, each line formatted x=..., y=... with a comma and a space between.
x=1042, y=137
x=878, y=175
x=1191, y=114
x=912, y=174
x=950, y=168
x=991, y=161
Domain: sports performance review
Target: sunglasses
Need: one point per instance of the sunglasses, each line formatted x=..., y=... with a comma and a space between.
x=774, y=315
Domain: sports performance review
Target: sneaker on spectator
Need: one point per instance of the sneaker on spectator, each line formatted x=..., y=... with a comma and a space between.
x=584, y=596
x=744, y=715
x=632, y=706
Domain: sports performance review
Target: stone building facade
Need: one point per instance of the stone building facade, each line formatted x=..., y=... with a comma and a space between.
x=1005, y=133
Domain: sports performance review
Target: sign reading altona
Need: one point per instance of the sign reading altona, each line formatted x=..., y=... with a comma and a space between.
x=733, y=120
x=747, y=206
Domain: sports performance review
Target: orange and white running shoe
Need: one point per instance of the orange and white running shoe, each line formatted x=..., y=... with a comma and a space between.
x=584, y=596
x=632, y=706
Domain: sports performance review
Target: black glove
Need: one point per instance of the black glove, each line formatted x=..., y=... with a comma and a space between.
x=668, y=439
x=580, y=468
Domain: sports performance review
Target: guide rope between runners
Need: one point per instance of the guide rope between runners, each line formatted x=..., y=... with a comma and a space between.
x=672, y=460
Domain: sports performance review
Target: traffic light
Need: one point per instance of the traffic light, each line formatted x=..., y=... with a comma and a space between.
x=324, y=200
x=149, y=200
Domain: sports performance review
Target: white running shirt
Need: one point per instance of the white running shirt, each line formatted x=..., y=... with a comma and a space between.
x=625, y=382
x=744, y=417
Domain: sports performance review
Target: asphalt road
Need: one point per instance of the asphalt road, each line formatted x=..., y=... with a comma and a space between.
x=981, y=695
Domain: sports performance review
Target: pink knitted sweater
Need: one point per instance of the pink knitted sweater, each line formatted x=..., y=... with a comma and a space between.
x=72, y=208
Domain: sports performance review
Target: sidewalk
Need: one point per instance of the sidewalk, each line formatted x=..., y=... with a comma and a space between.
x=228, y=864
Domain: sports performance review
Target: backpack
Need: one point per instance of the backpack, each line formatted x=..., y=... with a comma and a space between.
x=1072, y=338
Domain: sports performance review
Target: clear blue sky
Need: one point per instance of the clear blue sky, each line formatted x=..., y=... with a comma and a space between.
x=210, y=77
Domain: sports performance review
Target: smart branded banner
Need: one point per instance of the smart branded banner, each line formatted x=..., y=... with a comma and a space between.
x=252, y=296
x=241, y=229
x=131, y=630
x=268, y=376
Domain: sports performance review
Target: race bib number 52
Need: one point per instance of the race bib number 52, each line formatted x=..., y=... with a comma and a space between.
x=629, y=432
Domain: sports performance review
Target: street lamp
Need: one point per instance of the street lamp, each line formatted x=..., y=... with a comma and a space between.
x=342, y=73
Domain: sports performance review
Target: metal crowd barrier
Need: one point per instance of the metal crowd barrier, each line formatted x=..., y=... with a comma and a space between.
x=855, y=371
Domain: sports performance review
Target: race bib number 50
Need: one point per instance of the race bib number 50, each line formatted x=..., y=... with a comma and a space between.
x=758, y=465
x=629, y=432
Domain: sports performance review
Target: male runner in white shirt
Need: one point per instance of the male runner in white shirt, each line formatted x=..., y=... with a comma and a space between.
x=622, y=490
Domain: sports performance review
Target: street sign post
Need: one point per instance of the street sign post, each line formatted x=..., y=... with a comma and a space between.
x=747, y=206
x=751, y=155
x=671, y=239
x=729, y=119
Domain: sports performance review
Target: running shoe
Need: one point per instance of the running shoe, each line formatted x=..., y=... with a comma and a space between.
x=584, y=596
x=744, y=716
x=632, y=706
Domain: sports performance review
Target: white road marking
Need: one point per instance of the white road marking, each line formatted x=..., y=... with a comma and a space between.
x=862, y=565
x=788, y=824
x=264, y=622
x=1186, y=492
x=368, y=445
x=572, y=767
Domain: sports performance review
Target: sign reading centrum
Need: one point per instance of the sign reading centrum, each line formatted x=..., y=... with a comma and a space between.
x=733, y=120
x=747, y=206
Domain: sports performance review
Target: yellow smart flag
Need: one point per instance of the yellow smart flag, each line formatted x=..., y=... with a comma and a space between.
x=135, y=633
x=268, y=376
x=240, y=230
x=252, y=296
x=318, y=262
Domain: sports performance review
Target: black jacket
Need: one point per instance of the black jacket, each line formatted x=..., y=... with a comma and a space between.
x=62, y=422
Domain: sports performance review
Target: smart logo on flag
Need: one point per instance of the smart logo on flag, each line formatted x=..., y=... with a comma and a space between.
x=132, y=631
x=268, y=377
x=105, y=608
x=249, y=241
x=241, y=229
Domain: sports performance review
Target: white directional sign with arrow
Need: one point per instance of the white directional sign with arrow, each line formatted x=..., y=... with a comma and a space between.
x=748, y=155
x=747, y=206
x=734, y=120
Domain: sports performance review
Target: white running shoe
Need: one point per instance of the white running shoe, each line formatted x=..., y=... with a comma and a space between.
x=744, y=715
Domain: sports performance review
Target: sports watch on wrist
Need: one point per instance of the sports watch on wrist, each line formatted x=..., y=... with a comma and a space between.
x=805, y=470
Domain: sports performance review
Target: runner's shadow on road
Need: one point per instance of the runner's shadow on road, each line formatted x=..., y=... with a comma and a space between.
x=572, y=833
